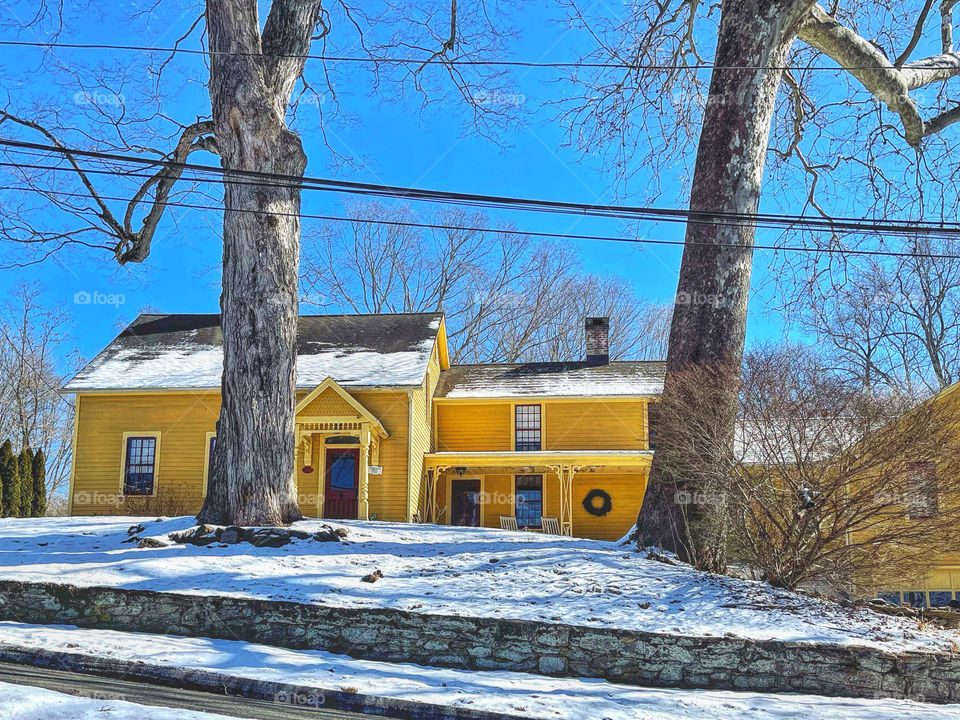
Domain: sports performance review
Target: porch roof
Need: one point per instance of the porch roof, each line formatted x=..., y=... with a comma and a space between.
x=541, y=458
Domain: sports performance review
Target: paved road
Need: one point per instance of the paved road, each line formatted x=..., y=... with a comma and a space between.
x=147, y=694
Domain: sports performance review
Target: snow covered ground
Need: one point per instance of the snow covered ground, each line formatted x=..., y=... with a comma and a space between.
x=522, y=694
x=437, y=569
x=19, y=702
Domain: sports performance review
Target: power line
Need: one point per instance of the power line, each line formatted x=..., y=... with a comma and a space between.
x=221, y=181
x=766, y=220
x=508, y=231
x=391, y=60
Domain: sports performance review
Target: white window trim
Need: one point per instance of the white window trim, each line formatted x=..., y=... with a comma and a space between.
x=156, y=460
x=543, y=494
x=513, y=423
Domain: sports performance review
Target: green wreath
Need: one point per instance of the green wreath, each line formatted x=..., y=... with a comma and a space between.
x=606, y=504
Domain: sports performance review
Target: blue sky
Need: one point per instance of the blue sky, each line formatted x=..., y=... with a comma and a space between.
x=430, y=149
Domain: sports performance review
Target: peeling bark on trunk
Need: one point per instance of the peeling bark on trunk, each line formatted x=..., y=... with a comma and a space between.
x=252, y=480
x=709, y=321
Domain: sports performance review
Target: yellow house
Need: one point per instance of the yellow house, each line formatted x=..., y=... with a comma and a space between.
x=386, y=428
x=940, y=583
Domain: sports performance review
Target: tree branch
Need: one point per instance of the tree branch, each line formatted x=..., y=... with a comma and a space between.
x=938, y=68
x=946, y=25
x=939, y=122
x=129, y=245
x=285, y=43
x=104, y=214
x=135, y=245
x=917, y=34
x=865, y=62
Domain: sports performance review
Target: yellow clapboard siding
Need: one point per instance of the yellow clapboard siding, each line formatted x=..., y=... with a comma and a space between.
x=566, y=425
x=420, y=442
x=626, y=495
x=595, y=425
x=388, y=492
x=497, y=498
x=471, y=426
x=182, y=419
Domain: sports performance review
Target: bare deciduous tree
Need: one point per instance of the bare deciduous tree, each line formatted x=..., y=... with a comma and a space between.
x=755, y=41
x=507, y=297
x=893, y=322
x=827, y=484
x=257, y=76
x=33, y=414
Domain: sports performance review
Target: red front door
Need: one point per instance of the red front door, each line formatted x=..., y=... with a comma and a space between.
x=340, y=486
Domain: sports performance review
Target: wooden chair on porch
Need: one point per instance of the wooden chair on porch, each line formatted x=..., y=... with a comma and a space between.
x=508, y=523
x=551, y=526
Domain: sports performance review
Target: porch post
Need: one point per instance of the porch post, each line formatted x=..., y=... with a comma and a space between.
x=363, y=499
x=566, y=501
x=571, y=471
x=429, y=495
x=438, y=472
x=565, y=485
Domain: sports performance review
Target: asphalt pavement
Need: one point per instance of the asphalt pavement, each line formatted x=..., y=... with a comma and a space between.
x=104, y=688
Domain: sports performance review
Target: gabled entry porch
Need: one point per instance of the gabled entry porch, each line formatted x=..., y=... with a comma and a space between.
x=338, y=440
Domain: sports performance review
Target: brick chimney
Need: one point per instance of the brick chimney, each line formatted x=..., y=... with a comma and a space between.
x=597, y=332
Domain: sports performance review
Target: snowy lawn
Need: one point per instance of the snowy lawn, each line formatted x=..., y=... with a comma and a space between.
x=438, y=569
x=22, y=702
x=523, y=694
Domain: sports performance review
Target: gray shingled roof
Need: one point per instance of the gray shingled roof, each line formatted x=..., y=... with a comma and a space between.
x=552, y=379
x=186, y=352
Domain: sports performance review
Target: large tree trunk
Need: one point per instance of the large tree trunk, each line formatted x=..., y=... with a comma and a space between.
x=709, y=320
x=252, y=480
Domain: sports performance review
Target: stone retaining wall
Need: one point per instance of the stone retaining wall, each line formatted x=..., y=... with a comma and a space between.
x=641, y=658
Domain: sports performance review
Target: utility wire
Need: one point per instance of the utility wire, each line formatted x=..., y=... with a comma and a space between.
x=838, y=224
x=504, y=231
x=390, y=60
x=127, y=174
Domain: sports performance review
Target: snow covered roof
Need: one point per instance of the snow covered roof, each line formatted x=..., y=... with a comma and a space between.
x=796, y=440
x=168, y=352
x=629, y=378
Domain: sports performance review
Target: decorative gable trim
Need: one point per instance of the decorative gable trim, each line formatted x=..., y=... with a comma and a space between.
x=332, y=385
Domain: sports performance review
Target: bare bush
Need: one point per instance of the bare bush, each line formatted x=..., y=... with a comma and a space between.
x=166, y=503
x=822, y=482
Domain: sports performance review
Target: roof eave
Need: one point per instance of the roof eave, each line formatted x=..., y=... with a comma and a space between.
x=501, y=398
x=66, y=390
